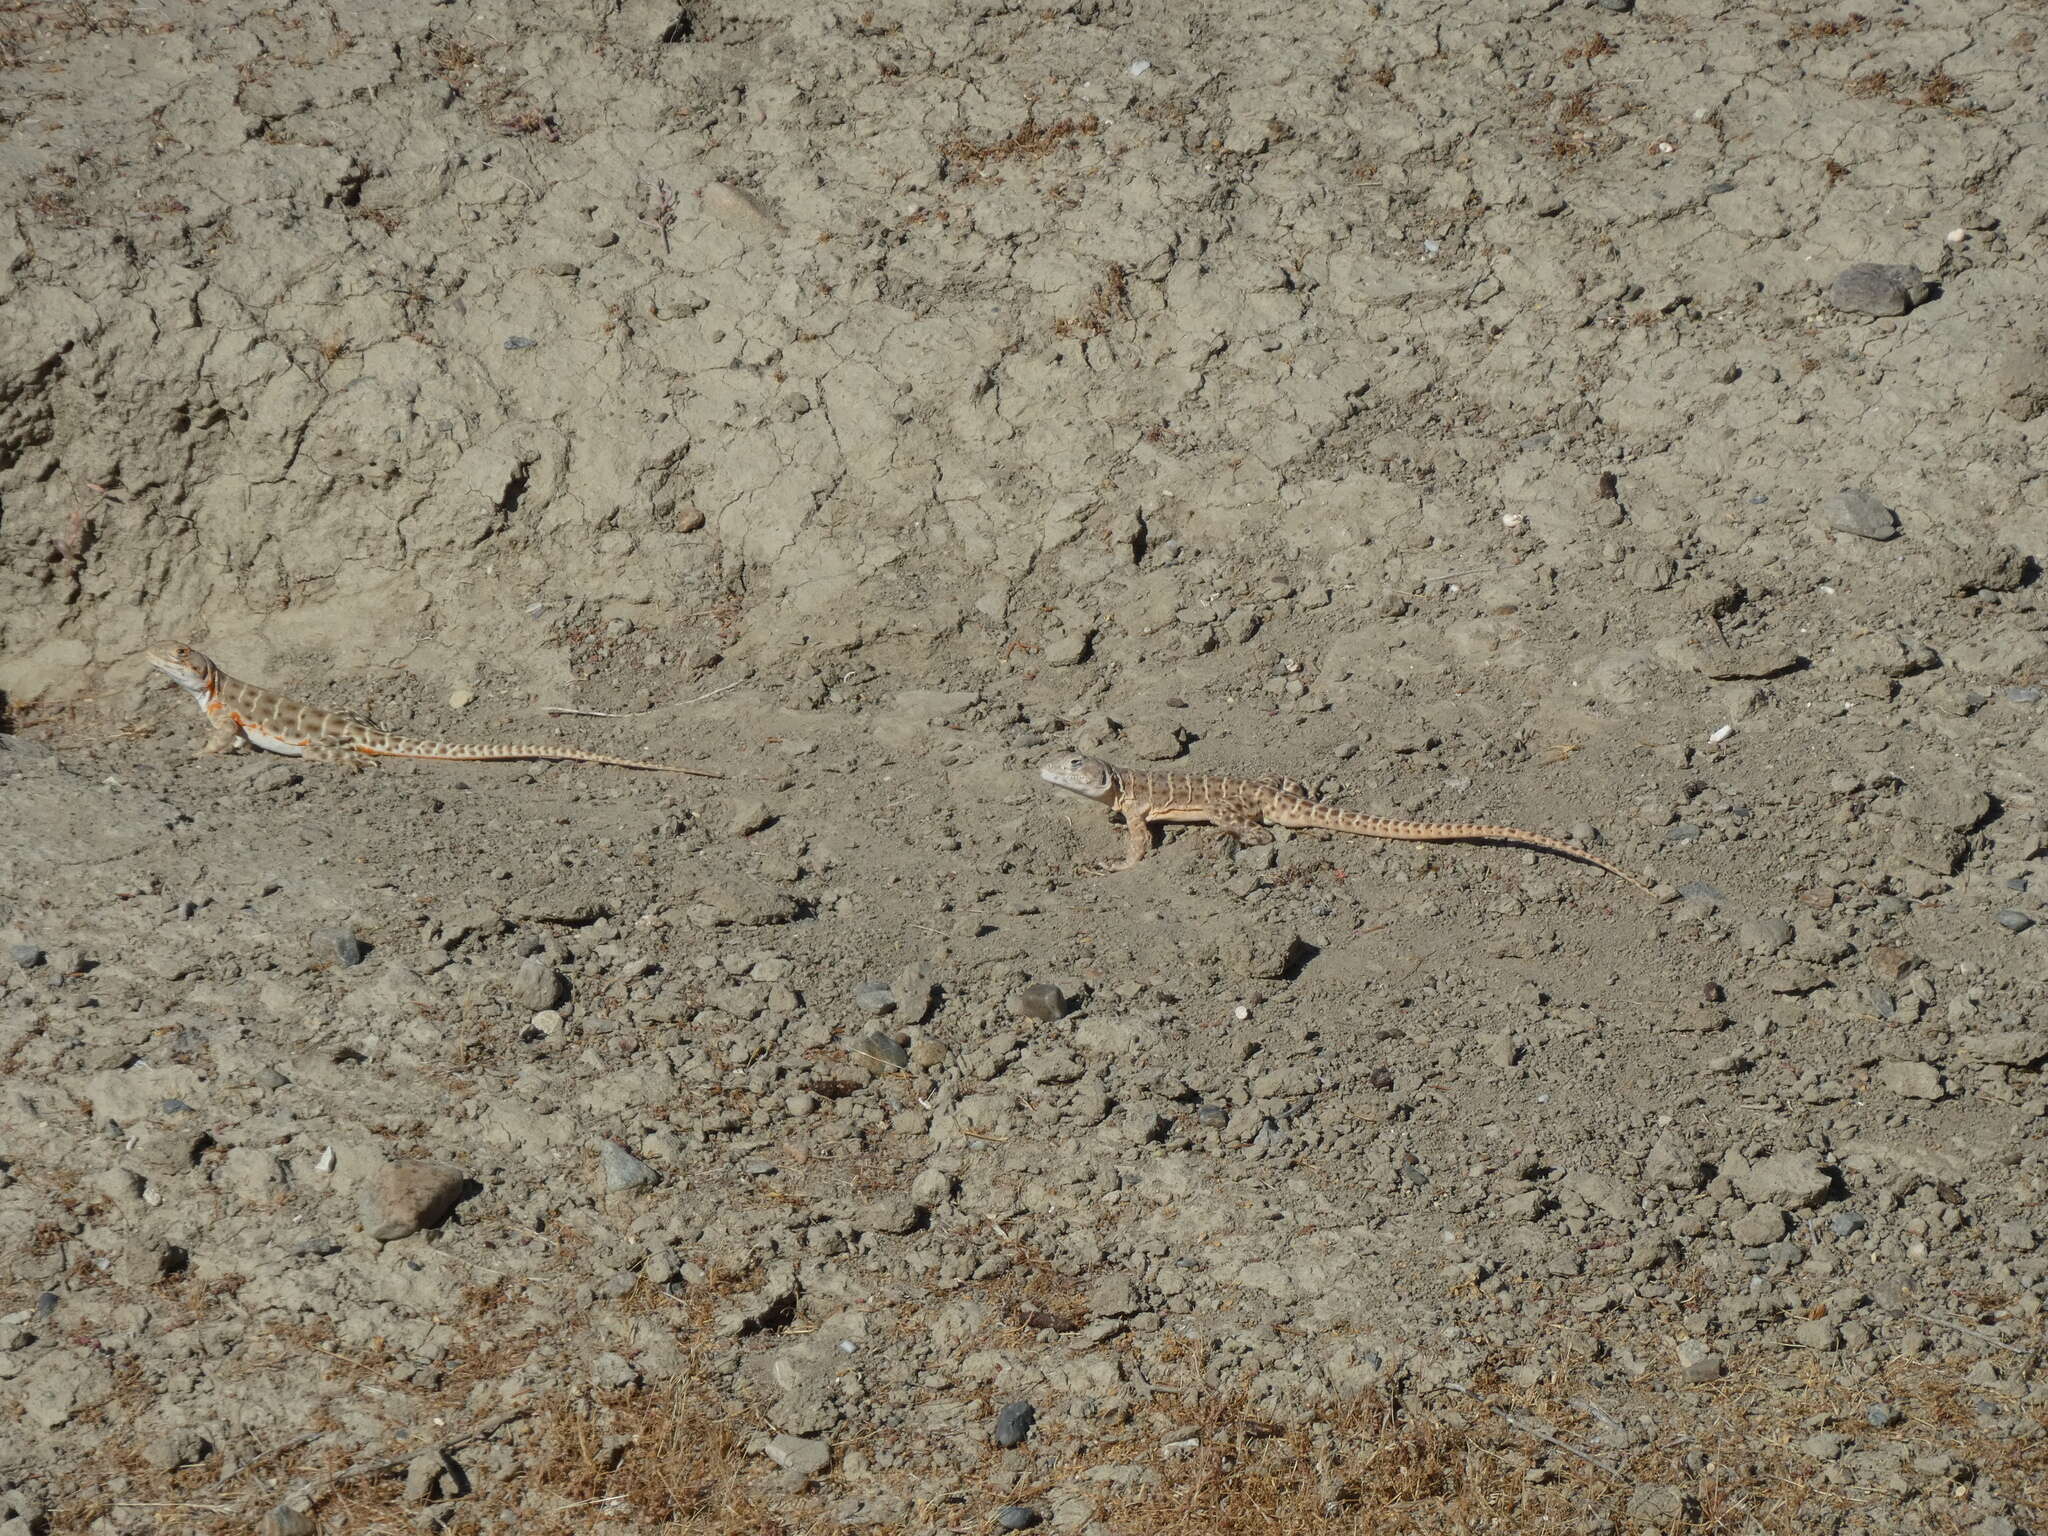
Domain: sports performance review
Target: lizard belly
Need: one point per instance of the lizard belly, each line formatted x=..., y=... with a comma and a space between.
x=258, y=737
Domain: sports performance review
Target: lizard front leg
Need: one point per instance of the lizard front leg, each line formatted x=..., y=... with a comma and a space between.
x=1137, y=843
x=226, y=736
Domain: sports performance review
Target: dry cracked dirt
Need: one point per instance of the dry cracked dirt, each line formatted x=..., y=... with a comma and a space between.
x=1620, y=420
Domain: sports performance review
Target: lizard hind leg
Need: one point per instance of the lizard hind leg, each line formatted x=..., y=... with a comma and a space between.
x=1242, y=834
x=332, y=753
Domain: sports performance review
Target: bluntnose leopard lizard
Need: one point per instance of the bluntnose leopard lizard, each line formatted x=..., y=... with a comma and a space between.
x=242, y=712
x=1243, y=808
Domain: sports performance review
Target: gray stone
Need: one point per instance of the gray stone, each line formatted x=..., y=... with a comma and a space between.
x=1792, y=1179
x=1912, y=1079
x=2014, y=921
x=892, y=1214
x=1764, y=935
x=1041, y=1002
x=1017, y=1517
x=1069, y=650
x=538, y=985
x=880, y=1054
x=1013, y=1424
x=2021, y=385
x=1862, y=514
x=178, y=1448
x=1868, y=288
x=1817, y=1333
x=287, y=1521
x=772, y=1306
x=749, y=817
x=1762, y=1224
x=1258, y=953
x=403, y=1197
x=1674, y=1167
x=612, y=1371
x=2006, y=1048
x=337, y=944
x=1114, y=1296
x=1659, y=1504
x=2018, y=1237
x=27, y=956
x=1883, y=1416
x=874, y=997
x=794, y=1453
x=1848, y=1223
x=423, y=1478
x=622, y=1170
x=739, y=902
x=915, y=992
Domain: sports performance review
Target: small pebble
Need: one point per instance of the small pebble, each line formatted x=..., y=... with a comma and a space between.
x=1013, y=1424
x=1862, y=514
x=751, y=817
x=1017, y=1517
x=27, y=956
x=622, y=1170
x=1042, y=1002
x=1847, y=1223
x=519, y=343
x=881, y=1054
x=1764, y=935
x=2014, y=921
x=807, y=1458
x=538, y=985
x=874, y=997
x=1883, y=1416
x=337, y=944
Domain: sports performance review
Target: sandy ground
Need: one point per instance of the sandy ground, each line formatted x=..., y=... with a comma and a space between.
x=1623, y=423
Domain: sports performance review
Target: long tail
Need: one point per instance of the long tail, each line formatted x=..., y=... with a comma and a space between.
x=1335, y=820
x=459, y=752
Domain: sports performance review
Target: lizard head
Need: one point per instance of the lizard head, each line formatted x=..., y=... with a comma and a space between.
x=188, y=668
x=1089, y=776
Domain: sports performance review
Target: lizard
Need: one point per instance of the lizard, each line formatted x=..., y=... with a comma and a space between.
x=242, y=712
x=1244, y=808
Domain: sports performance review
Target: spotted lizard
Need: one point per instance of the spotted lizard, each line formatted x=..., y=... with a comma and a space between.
x=242, y=712
x=1244, y=808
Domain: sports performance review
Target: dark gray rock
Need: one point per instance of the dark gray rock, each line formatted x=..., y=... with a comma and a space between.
x=1041, y=1002
x=337, y=944
x=1871, y=289
x=875, y=998
x=27, y=956
x=2014, y=921
x=1017, y=1517
x=1013, y=1424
